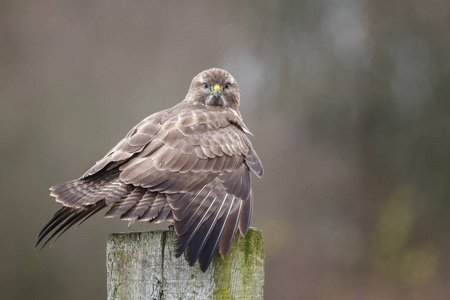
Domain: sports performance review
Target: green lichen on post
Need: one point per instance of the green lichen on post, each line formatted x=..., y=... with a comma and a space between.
x=241, y=274
x=143, y=266
x=222, y=274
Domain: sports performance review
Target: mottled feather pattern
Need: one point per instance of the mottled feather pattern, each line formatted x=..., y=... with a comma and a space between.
x=189, y=164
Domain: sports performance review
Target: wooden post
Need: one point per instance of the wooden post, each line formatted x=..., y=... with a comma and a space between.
x=142, y=265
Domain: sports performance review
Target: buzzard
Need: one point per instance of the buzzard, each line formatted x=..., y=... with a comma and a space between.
x=189, y=164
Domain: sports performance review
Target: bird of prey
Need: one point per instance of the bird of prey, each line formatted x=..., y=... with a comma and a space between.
x=189, y=164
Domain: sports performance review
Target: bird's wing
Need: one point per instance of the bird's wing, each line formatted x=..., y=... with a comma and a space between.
x=190, y=165
x=201, y=161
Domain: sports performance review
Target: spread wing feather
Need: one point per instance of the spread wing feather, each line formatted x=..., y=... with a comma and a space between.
x=229, y=231
x=246, y=215
x=213, y=241
x=154, y=210
x=140, y=207
x=254, y=163
x=123, y=205
x=198, y=242
x=65, y=218
x=164, y=214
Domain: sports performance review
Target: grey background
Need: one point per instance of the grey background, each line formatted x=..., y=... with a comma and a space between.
x=349, y=105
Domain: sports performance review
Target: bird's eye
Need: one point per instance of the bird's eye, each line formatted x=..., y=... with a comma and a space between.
x=227, y=86
x=205, y=85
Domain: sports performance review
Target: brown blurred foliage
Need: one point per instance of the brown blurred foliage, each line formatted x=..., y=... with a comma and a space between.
x=348, y=101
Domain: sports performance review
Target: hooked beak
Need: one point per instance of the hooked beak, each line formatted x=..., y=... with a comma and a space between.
x=217, y=90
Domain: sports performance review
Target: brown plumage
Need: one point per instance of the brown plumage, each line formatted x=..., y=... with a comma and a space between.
x=189, y=164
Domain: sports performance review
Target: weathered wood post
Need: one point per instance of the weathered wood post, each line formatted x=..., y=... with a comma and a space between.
x=143, y=266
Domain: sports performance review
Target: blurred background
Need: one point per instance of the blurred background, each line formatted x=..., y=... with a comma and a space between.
x=348, y=102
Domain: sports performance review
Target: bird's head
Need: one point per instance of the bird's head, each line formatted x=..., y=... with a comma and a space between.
x=215, y=87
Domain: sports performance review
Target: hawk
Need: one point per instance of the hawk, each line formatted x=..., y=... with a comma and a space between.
x=189, y=164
